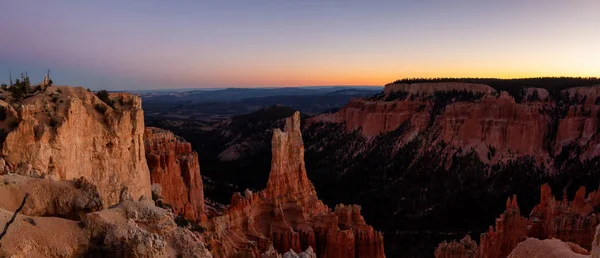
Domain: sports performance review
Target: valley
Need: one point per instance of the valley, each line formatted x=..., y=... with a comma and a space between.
x=437, y=159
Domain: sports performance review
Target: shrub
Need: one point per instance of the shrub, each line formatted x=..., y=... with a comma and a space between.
x=186, y=223
x=401, y=95
x=100, y=108
x=21, y=88
x=54, y=99
x=103, y=95
x=534, y=96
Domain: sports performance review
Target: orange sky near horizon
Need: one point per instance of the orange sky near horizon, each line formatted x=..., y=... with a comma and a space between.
x=152, y=45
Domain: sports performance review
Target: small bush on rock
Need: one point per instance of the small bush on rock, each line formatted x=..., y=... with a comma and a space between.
x=103, y=95
x=100, y=108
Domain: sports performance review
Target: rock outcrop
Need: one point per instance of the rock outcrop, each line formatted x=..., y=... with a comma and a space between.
x=499, y=241
x=288, y=215
x=67, y=199
x=548, y=248
x=140, y=229
x=67, y=132
x=465, y=248
x=475, y=116
x=510, y=229
x=175, y=167
x=127, y=229
x=574, y=222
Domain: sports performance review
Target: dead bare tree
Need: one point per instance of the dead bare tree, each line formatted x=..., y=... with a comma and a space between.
x=14, y=216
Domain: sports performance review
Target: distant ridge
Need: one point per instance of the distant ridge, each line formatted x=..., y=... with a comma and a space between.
x=516, y=86
x=259, y=87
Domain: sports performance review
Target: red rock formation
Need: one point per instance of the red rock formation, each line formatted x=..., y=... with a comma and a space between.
x=495, y=121
x=175, y=167
x=511, y=228
x=288, y=215
x=59, y=133
x=573, y=222
x=466, y=248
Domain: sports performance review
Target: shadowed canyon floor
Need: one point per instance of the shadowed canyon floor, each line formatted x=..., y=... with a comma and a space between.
x=427, y=160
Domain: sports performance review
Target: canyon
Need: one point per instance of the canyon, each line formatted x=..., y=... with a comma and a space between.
x=428, y=160
x=423, y=163
x=157, y=209
x=288, y=214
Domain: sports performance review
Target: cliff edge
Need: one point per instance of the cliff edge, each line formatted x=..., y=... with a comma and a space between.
x=64, y=133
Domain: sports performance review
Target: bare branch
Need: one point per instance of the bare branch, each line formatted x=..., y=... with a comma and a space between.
x=14, y=216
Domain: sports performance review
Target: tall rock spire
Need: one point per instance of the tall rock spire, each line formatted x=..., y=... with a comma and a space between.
x=288, y=214
x=288, y=173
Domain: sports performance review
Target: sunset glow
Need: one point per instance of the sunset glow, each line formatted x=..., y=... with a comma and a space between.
x=160, y=44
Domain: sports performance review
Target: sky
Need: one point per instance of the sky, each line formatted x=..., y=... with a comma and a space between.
x=155, y=44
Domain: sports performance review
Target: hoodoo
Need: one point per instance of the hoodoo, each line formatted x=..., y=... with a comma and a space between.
x=574, y=222
x=175, y=167
x=288, y=214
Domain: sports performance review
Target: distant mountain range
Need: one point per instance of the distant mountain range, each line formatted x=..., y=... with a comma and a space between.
x=211, y=105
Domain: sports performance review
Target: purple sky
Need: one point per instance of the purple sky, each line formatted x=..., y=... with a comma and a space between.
x=180, y=44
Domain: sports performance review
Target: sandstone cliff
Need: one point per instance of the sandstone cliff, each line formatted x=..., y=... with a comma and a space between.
x=174, y=166
x=574, y=222
x=287, y=215
x=67, y=132
x=440, y=158
x=476, y=117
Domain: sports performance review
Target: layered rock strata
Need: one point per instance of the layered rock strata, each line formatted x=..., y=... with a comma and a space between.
x=475, y=116
x=175, y=167
x=288, y=215
x=67, y=132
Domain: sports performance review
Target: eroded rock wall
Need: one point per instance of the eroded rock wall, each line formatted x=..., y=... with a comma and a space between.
x=175, y=167
x=67, y=132
x=464, y=116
